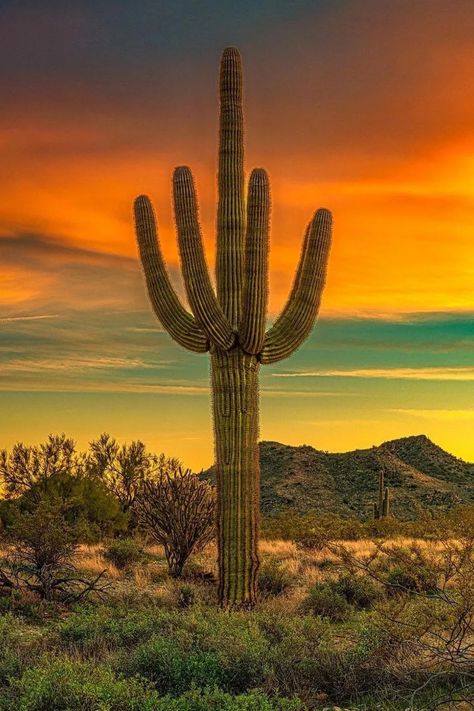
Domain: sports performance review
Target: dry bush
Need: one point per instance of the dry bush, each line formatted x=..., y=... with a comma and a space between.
x=429, y=615
x=40, y=559
x=178, y=511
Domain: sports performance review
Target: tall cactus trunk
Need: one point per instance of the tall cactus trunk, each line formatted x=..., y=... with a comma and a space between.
x=235, y=403
x=231, y=323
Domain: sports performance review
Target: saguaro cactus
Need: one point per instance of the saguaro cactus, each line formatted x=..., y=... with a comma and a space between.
x=231, y=324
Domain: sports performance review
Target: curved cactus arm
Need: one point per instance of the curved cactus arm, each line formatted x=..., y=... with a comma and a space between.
x=293, y=326
x=199, y=289
x=254, y=304
x=230, y=211
x=173, y=316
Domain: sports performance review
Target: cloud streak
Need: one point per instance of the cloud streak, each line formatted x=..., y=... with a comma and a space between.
x=427, y=373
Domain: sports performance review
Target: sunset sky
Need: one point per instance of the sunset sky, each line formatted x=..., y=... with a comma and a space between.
x=361, y=106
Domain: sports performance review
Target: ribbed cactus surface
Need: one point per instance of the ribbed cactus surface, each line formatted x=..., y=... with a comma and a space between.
x=231, y=323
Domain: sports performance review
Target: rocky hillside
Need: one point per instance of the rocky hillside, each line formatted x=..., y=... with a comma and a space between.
x=418, y=472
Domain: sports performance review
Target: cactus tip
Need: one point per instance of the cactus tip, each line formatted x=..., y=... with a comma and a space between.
x=182, y=172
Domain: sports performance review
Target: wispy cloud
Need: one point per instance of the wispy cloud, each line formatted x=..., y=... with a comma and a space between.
x=73, y=363
x=8, y=319
x=425, y=373
x=306, y=393
x=444, y=415
x=85, y=386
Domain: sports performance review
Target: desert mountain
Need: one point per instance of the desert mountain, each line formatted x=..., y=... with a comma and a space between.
x=418, y=472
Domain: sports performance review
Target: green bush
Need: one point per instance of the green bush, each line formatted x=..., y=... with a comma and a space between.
x=228, y=651
x=217, y=700
x=91, y=629
x=401, y=578
x=66, y=685
x=124, y=552
x=173, y=665
x=358, y=590
x=273, y=578
x=15, y=647
x=324, y=601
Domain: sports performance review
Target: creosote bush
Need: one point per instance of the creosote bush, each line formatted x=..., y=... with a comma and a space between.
x=124, y=552
x=324, y=601
x=177, y=510
x=40, y=558
x=359, y=590
x=274, y=578
x=66, y=685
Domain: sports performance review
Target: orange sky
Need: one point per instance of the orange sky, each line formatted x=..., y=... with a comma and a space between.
x=363, y=107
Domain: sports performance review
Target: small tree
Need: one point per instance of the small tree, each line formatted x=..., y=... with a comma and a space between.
x=178, y=511
x=28, y=469
x=121, y=468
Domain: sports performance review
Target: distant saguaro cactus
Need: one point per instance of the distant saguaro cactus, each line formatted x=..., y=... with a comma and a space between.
x=231, y=323
x=382, y=505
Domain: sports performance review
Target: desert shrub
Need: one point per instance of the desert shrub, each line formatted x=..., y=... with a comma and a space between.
x=178, y=511
x=324, y=601
x=186, y=651
x=403, y=578
x=92, y=628
x=274, y=578
x=124, y=552
x=186, y=596
x=173, y=668
x=55, y=472
x=345, y=671
x=307, y=531
x=217, y=700
x=66, y=685
x=359, y=590
x=40, y=559
x=16, y=647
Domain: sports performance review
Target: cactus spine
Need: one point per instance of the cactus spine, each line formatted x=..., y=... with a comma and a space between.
x=382, y=505
x=231, y=323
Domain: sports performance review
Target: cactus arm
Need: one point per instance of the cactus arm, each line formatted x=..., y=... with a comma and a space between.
x=295, y=323
x=255, y=297
x=230, y=211
x=173, y=316
x=199, y=289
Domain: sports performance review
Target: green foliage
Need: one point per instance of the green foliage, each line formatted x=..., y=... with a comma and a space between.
x=324, y=601
x=16, y=647
x=217, y=700
x=88, y=629
x=359, y=590
x=403, y=578
x=207, y=650
x=174, y=668
x=85, y=503
x=40, y=557
x=66, y=685
x=313, y=532
x=124, y=552
x=274, y=578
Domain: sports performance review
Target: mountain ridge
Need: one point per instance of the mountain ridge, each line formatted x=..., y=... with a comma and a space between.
x=307, y=480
